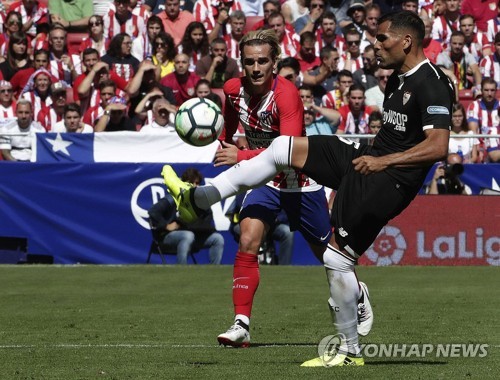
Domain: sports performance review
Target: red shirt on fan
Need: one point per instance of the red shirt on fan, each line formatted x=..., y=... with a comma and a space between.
x=182, y=90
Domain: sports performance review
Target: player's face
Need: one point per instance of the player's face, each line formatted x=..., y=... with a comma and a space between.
x=457, y=45
x=13, y=23
x=356, y=100
x=258, y=65
x=96, y=27
x=278, y=25
x=19, y=47
x=389, y=47
x=122, y=7
x=71, y=121
x=24, y=115
x=329, y=26
x=467, y=26
x=488, y=91
x=332, y=62
x=237, y=27
x=372, y=17
x=181, y=64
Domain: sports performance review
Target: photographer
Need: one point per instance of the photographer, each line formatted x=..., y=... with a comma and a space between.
x=446, y=179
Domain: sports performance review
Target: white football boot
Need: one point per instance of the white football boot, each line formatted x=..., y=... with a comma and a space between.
x=237, y=335
x=365, y=312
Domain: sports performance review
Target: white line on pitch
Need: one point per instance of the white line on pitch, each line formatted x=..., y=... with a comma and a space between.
x=124, y=345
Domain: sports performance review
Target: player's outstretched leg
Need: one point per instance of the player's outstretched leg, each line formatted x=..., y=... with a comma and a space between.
x=365, y=312
x=344, y=293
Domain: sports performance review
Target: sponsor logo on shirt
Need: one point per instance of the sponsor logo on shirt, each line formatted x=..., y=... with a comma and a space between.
x=437, y=110
x=397, y=119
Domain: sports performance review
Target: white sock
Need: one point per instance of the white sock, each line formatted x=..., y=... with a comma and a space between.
x=344, y=293
x=246, y=174
x=242, y=318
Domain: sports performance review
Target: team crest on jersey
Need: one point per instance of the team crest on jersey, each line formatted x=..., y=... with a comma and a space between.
x=493, y=6
x=266, y=118
x=190, y=91
x=406, y=97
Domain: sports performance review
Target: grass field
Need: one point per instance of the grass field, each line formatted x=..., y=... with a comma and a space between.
x=160, y=322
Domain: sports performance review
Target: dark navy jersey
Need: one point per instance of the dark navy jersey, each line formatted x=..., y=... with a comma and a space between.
x=418, y=100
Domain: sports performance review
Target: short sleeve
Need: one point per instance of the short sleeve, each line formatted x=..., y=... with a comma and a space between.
x=435, y=106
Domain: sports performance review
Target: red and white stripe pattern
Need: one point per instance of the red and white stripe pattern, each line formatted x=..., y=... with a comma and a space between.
x=90, y=43
x=48, y=117
x=479, y=42
x=8, y=112
x=290, y=45
x=204, y=11
x=441, y=31
x=37, y=103
x=332, y=99
x=133, y=26
x=93, y=114
x=488, y=120
x=338, y=43
x=493, y=27
x=356, y=63
x=39, y=10
x=490, y=68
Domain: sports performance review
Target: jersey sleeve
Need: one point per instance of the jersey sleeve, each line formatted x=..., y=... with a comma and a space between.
x=231, y=119
x=435, y=106
x=291, y=110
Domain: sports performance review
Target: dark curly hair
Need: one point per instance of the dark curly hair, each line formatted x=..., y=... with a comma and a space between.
x=188, y=46
x=169, y=42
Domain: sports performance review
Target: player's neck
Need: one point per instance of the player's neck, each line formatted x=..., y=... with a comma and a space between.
x=412, y=60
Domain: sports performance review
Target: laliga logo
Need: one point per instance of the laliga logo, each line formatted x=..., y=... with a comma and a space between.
x=388, y=248
x=147, y=193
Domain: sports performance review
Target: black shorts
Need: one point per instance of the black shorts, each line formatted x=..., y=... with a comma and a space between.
x=363, y=203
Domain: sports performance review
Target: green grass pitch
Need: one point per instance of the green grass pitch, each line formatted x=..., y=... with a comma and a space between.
x=161, y=322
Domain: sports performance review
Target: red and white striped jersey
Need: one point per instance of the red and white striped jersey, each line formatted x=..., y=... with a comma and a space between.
x=338, y=43
x=93, y=114
x=90, y=43
x=290, y=45
x=348, y=121
x=490, y=68
x=442, y=29
x=37, y=102
x=8, y=112
x=488, y=120
x=356, y=63
x=133, y=26
x=142, y=47
x=205, y=11
x=48, y=117
x=39, y=12
x=493, y=27
x=478, y=44
x=263, y=118
x=332, y=99
x=61, y=71
x=233, y=50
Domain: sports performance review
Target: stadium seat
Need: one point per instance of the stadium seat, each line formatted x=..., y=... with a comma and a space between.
x=69, y=95
x=220, y=92
x=251, y=21
x=74, y=40
x=157, y=248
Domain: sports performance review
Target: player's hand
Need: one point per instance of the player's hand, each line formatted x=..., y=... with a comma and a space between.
x=227, y=155
x=369, y=164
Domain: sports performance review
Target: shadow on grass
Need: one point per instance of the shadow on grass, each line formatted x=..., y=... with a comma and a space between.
x=312, y=344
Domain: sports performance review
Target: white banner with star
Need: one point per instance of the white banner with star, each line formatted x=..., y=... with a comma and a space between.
x=118, y=147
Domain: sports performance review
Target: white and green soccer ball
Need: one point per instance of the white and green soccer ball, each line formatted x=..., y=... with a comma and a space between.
x=199, y=121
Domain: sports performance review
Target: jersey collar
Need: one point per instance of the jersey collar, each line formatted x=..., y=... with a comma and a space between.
x=410, y=72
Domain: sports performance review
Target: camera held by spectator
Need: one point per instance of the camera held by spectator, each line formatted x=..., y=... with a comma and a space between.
x=446, y=179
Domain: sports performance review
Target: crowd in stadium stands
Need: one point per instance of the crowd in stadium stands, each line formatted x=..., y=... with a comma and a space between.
x=111, y=65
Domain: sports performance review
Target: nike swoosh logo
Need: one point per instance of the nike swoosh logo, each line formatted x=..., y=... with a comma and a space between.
x=239, y=278
x=323, y=238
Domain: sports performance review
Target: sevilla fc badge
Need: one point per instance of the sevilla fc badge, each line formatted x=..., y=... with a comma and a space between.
x=406, y=97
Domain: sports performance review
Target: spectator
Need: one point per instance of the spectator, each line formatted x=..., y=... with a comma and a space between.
x=142, y=46
x=410, y=5
x=306, y=55
x=459, y=63
x=175, y=21
x=468, y=148
x=106, y=90
x=73, y=15
x=446, y=178
x=18, y=148
x=369, y=34
x=208, y=12
x=354, y=115
x=12, y=25
x=53, y=113
x=119, y=57
x=432, y=48
x=357, y=14
x=86, y=86
x=317, y=120
x=366, y=75
x=34, y=15
x=164, y=52
x=161, y=117
x=194, y=43
x=375, y=123
x=310, y=22
x=121, y=20
x=444, y=25
x=337, y=97
x=237, y=20
x=493, y=26
x=181, y=81
x=291, y=9
x=289, y=42
x=482, y=11
x=17, y=56
x=96, y=39
x=175, y=235
x=269, y=7
x=115, y=117
x=217, y=67
x=490, y=65
x=7, y=102
x=37, y=91
x=203, y=90
x=374, y=97
x=72, y=121
x=63, y=65
x=476, y=42
x=483, y=117
x=21, y=78
x=339, y=8
x=326, y=35
x=352, y=59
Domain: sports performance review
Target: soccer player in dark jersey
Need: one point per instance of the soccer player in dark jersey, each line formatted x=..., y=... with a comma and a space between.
x=373, y=183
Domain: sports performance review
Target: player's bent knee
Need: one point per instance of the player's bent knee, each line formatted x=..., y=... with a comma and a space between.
x=335, y=260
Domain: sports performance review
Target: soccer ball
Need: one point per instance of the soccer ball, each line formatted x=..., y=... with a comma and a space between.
x=199, y=121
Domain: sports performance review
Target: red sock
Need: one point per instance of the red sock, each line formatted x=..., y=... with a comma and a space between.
x=246, y=278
